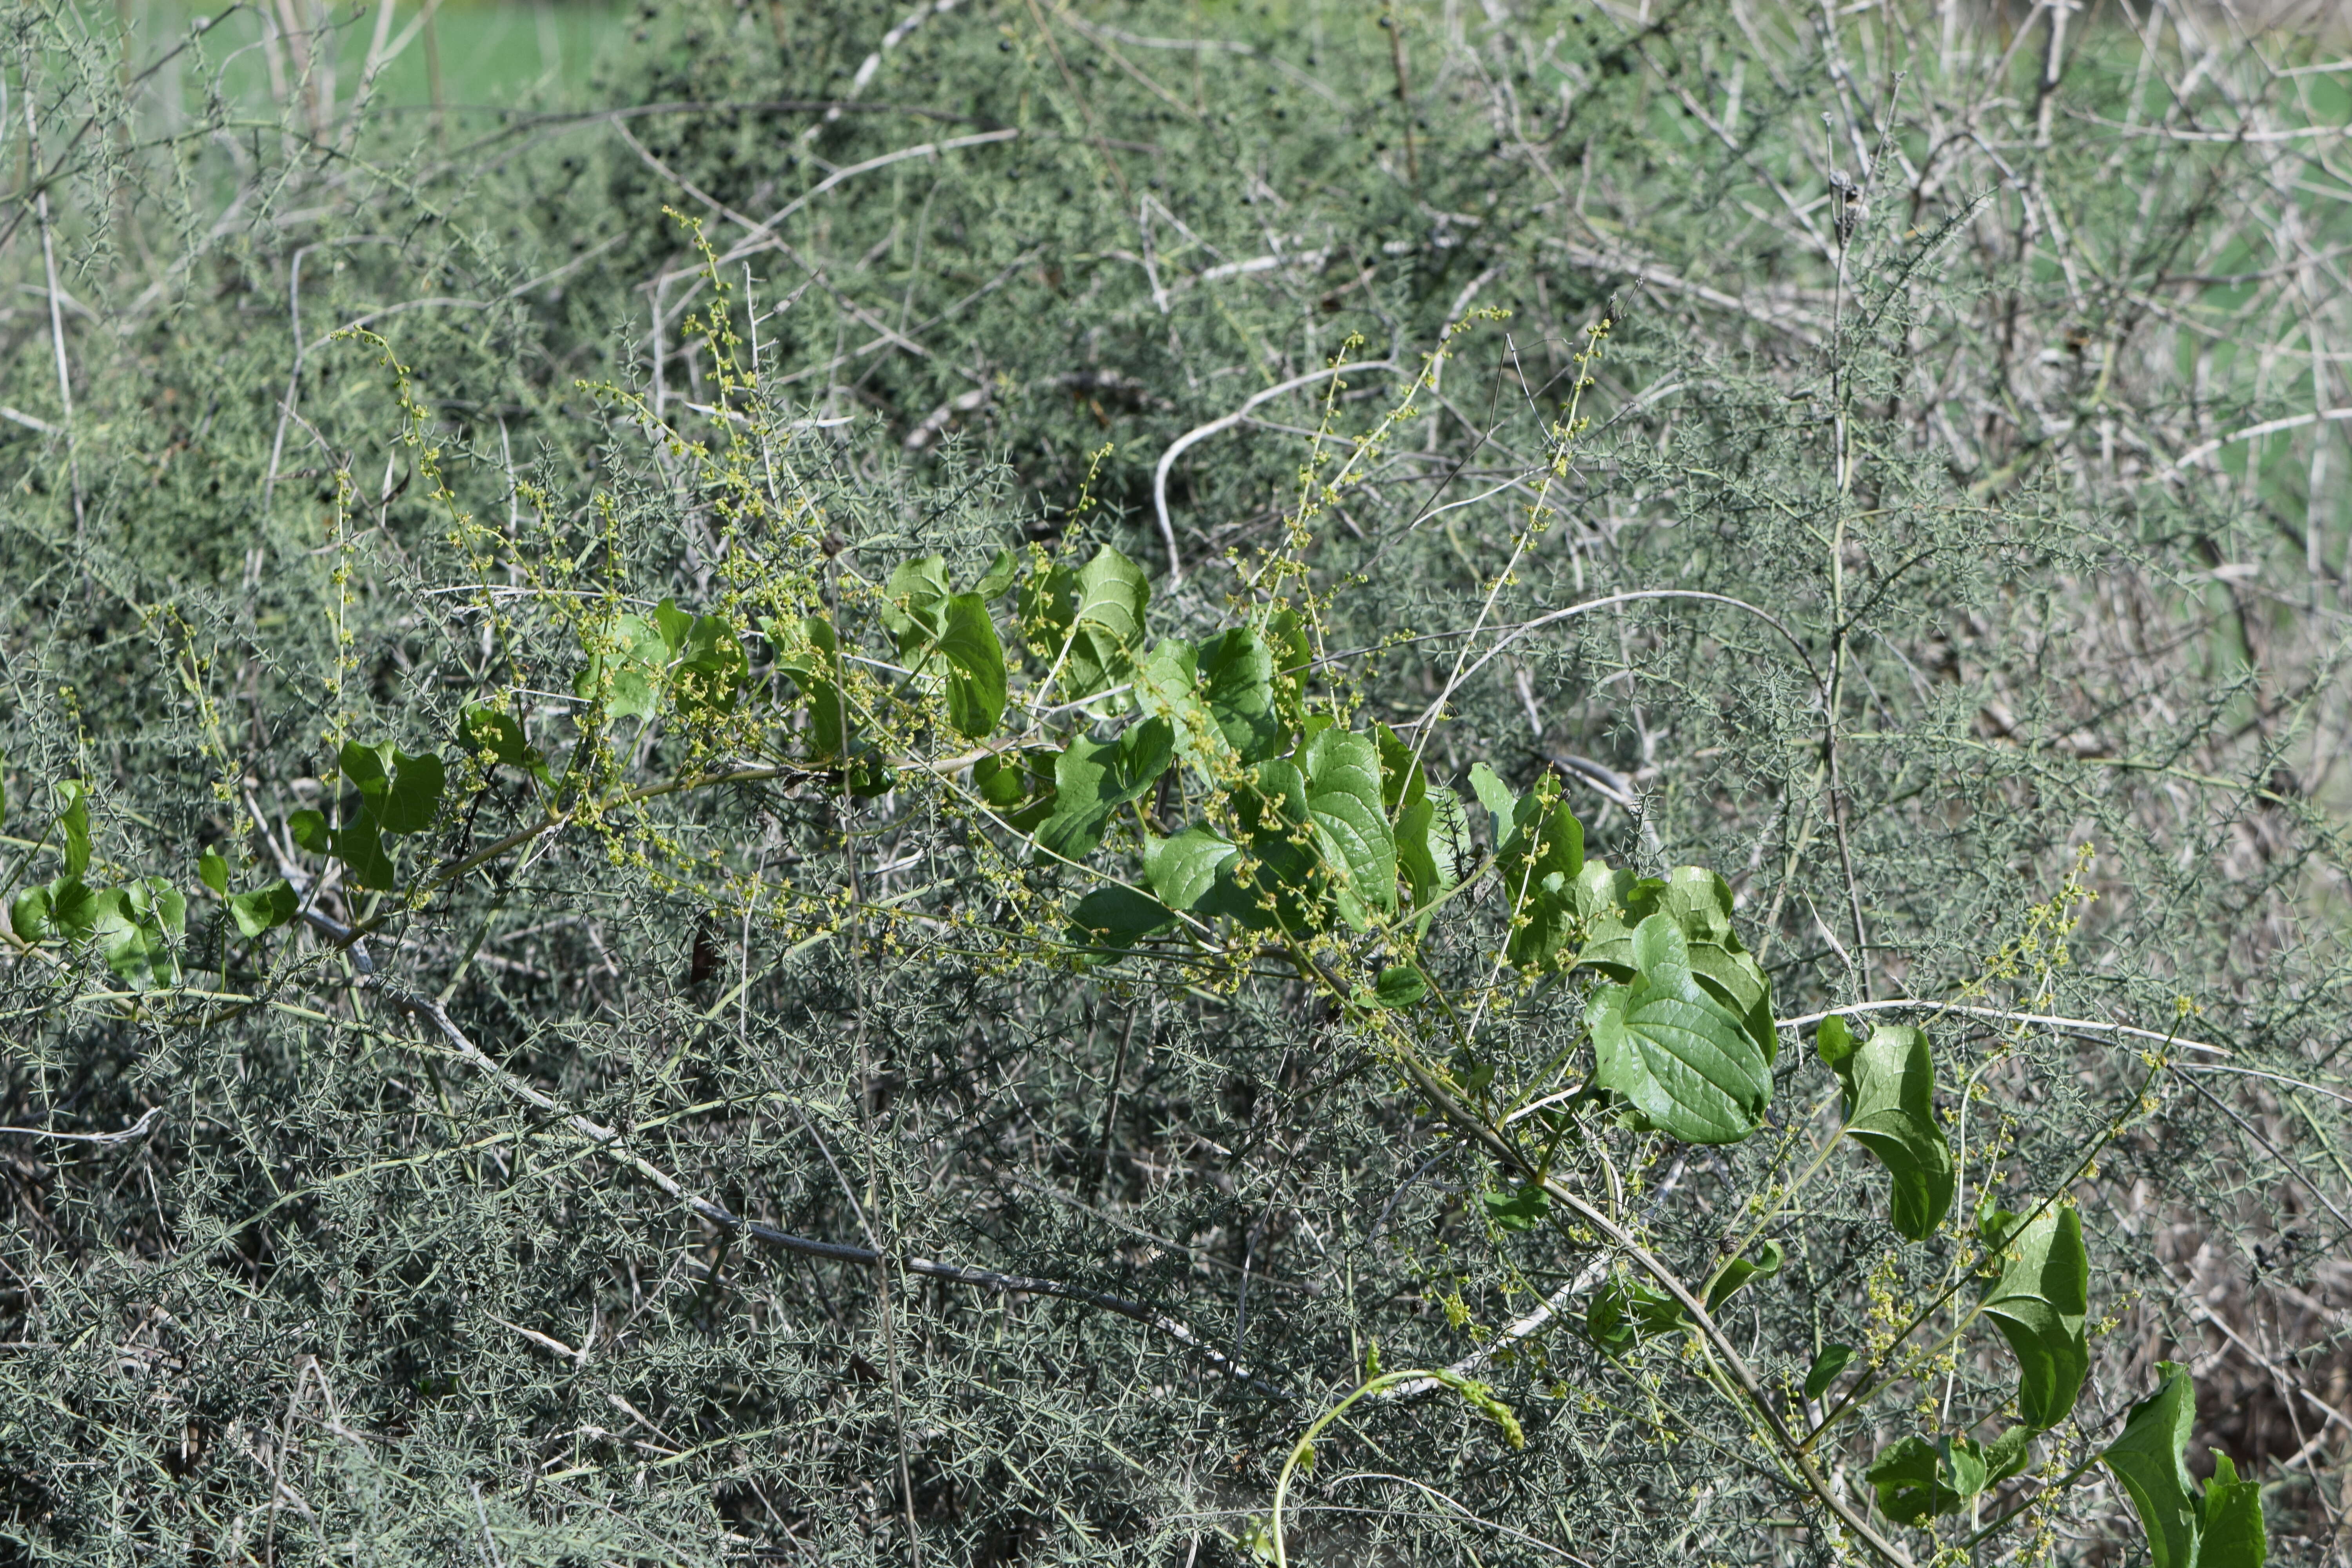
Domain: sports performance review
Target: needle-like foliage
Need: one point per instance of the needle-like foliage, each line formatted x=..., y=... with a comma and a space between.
x=1033, y=782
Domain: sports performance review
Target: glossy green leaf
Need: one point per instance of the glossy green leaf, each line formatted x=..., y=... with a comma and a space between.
x=1993, y=1222
x=673, y=624
x=1739, y=982
x=490, y=732
x=1236, y=672
x=707, y=665
x=1735, y=1275
x=1403, y=780
x=1964, y=1463
x=1433, y=840
x=1048, y=608
x=1343, y=798
x=1018, y=786
x=914, y=602
x=1499, y=799
x=1119, y=918
x=2008, y=1454
x=2148, y=1458
x=1912, y=1483
x=414, y=797
x=1112, y=594
x=624, y=666
x=1611, y=902
x=401, y=793
x=2232, y=1518
x=936, y=626
x=1917, y=1478
x=1890, y=1085
x=1294, y=662
x=1525, y=1209
x=1834, y=1358
x=1835, y=1044
x=1624, y=1312
x=134, y=926
x=264, y=908
x=212, y=872
x=975, y=667
x=361, y=849
x=809, y=652
x=2039, y=1305
x=1288, y=871
x=1093, y=616
x=1184, y=869
x=1700, y=900
x=73, y=827
x=1539, y=861
x=308, y=829
x=1094, y=778
x=1168, y=686
x=1000, y=575
x=1399, y=986
x=31, y=915
x=1679, y=1056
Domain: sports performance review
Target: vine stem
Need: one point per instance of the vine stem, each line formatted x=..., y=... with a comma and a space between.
x=1743, y=1376
x=1303, y=1451
x=1868, y=1382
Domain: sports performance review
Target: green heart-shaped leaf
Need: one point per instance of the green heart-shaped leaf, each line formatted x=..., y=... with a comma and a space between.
x=1403, y=780
x=1686, y=1062
x=1912, y=1483
x=1400, y=986
x=975, y=659
x=626, y=661
x=2039, y=1304
x=2232, y=1511
x=1625, y=1311
x=809, y=652
x=1612, y=901
x=264, y=908
x=73, y=827
x=708, y=666
x=1735, y=1275
x=1522, y=1210
x=1094, y=778
x=1001, y=570
x=1539, y=862
x=1499, y=799
x=1093, y=616
x=1343, y=799
x=414, y=796
x=1184, y=869
x=1119, y=918
x=914, y=602
x=2148, y=1458
x=1890, y=1086
x=1917, y=1479
x=1018, y=786
x=1433, y=842
x=1826, y=1366
x=1236, y=673
x=496, y=734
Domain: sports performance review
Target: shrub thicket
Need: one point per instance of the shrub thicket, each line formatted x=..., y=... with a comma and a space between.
x=632, y=937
